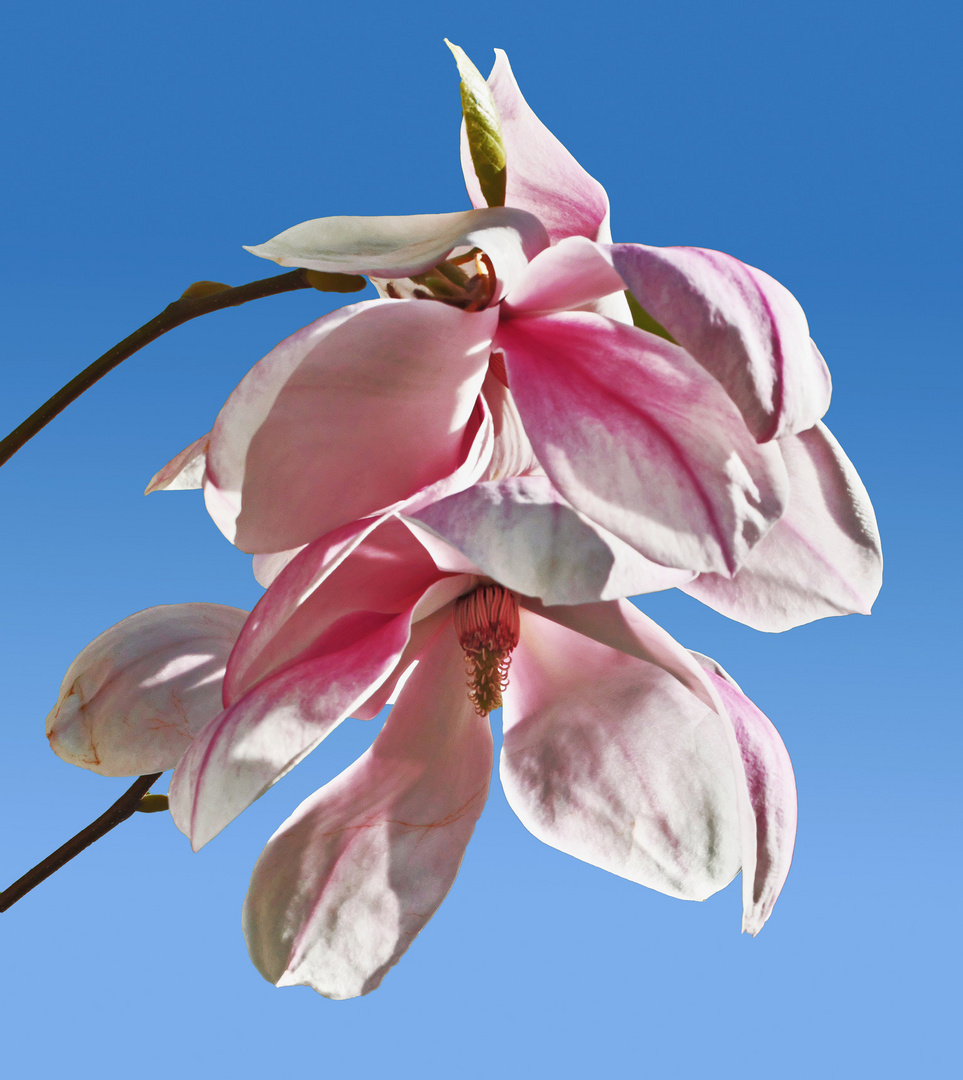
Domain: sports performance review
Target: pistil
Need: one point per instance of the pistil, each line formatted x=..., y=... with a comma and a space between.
x=487, y=625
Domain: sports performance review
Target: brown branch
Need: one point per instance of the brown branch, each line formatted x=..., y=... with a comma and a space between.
x=126, y=805
x=180, y=311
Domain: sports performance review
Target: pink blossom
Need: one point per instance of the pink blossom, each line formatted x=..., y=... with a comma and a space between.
x=692, y=441
x=621, y=748
x=379, y=401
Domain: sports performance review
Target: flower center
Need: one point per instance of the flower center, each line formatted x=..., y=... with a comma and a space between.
x=487, y=625
x=467, y=281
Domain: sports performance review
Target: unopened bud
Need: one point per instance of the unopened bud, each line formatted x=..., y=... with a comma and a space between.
x=200, y=289
x=325, y=282
x=152, y=804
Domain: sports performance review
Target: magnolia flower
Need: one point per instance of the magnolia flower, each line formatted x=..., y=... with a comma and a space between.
x=620, y=748
x=502, y=348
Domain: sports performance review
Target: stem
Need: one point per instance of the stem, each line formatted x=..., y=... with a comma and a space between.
x=110, y=819
x=180, y=311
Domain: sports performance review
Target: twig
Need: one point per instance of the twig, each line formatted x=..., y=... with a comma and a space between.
x=180, y=311
x=126, y=805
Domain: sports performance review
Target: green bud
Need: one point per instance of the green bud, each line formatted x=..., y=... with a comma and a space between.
x=325, y=282
x=203, y=288
x=644, y=321
x=483, y=128
x=152, y=804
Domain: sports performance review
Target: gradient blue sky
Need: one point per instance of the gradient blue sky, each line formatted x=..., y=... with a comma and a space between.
x=146, y=142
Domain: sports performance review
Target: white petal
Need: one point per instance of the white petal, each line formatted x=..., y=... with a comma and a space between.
x=522, y=533
x=821, y=558
x=347, y=882
x=610, y=759
x=135, y=698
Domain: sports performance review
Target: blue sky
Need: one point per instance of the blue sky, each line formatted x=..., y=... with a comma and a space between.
x=146, y=143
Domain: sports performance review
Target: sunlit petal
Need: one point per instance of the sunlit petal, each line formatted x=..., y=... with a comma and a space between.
x=357, y=411
x=348, y=882
x=639, y=437
x=821, y=558
x=523, y=534
x=542, y=177
x=134, y=699
x=739, y=323
x=609, y=759
x=772, y=792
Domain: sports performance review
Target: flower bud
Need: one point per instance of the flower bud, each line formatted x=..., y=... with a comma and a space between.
x=328, y=282
x=200, y=289
x=153, y=804
x=133, y=700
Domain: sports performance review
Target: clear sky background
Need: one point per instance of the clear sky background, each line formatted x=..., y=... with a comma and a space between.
x=145, y=144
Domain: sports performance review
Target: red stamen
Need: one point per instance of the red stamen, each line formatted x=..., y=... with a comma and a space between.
x=487, y=625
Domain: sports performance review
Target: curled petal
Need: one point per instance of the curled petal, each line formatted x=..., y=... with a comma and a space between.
x=357, y=411
x=265, y=733
x=742, y=326
x=343, y=585
x=327, y=634
x=477, y=462
x=522, y=533
x=351, y=878
x=574, y=273
x=821, y=558
x=134, y=699
x=184, y=472
x=542, y=177
x=512, y=453
x=772, y=793
x=608, y=758
x=641, y=439
x=388, y=247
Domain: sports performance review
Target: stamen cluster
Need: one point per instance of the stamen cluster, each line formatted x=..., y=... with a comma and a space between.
x=467, y=281
x=487, y=625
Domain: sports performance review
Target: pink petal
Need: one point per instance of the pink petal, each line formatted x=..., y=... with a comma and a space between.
x=620, y=625
x=611, y=760
x=269, y=565
x=444, y=555
x=355, y=578
x=772, y=792
x=353, y=413
x=422, y=632
x=326, y=635
x=135, y=698
x=478, y=448
x=641, y=439
x=523, y=534
x=821, y=558
x=512, y=453
x=570, y=275
x=184, y=472
x=542, y=176
x=739, y=323
x=255, y=741
x=347, y=882
x=388, y=247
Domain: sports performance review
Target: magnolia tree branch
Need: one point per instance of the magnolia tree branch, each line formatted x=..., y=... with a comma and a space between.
x=200, y=299
x=127, y=804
